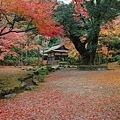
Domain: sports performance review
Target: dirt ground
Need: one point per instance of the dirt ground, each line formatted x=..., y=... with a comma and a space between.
x=69, y=94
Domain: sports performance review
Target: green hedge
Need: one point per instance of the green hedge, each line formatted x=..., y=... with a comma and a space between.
x=91, y=67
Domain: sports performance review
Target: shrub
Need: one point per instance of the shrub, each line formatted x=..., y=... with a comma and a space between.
x=73, y=60
x=46, y=71
x=117, y=57
x=92, y=67
x=9, y=62
x=29, y=60
x=42, y=76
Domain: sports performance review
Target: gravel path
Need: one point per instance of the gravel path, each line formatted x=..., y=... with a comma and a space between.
x=68, y=94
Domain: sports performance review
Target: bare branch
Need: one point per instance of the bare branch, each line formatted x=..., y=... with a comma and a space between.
x=17, y=31
x=6, y=17
x=3, y=29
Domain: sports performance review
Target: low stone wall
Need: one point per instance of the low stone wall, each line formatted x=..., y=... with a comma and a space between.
x=92, y=67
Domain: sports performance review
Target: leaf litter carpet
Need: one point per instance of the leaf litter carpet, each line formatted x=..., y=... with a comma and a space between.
x=68, y=95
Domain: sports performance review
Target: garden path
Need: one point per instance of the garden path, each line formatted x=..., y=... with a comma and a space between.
x=68, y=94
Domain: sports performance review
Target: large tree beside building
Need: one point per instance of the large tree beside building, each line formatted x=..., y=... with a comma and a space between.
x=84, y=18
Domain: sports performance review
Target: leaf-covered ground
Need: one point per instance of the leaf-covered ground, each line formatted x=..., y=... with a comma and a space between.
x=9, y=76
x=68, y=95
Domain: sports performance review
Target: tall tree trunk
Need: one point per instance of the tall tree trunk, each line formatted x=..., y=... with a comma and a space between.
x=93, y=40
x=92, y=50
x=94, y=43
x=80, y=47
x=92, y=57
x=87, y=57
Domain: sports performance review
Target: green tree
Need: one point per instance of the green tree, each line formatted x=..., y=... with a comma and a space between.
x=100, y=12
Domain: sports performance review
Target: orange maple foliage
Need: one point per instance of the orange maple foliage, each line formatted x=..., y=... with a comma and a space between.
x=79, y=8
x=41, y=14
x=72, y=50
x=108, y=33
x=111, y=30
x=113, y=26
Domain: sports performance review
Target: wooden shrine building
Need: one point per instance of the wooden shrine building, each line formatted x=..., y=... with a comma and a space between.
x=56, y=54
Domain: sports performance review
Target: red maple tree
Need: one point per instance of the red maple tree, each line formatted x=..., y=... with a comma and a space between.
x=39, y=14
x=9, y=42
x=26, y=16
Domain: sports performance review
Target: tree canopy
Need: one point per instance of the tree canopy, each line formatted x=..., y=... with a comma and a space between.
x=20, y=16
x=38, y=14
x=86, y=18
